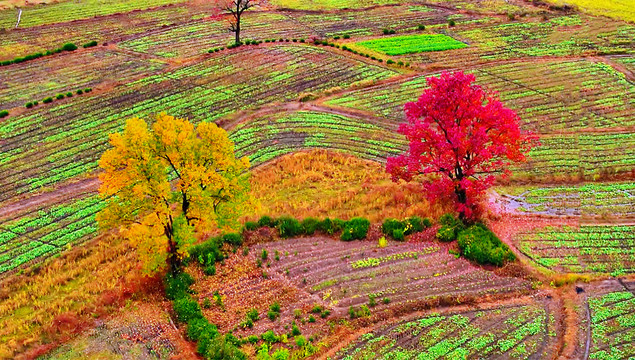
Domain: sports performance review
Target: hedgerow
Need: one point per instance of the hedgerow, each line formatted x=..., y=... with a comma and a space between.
x=480, y=244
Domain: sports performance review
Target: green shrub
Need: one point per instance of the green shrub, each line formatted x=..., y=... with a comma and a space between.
x=390, y=61
x=346, y=36
x=199, y=326
x=90, y=44
x=310, y=225
x=416, y=225
x=421, y=27
x=270, y=337
x=221, y=348
x=186, y=309
x=450, y=228
x=295, y=330
x=311, y=319
x=177, y=286
x=355, y=229
x=47, y=100
x=451, y=23
x=398, y=235
x=207, y=252
x=253, y=315
x=446, y=234
x=266, y=221
x=209, y=270
x=390, y=225
x=272, y=315
x=233, y=239
x=252, y=339
x=324, y=314
x=480, y=244
x=289, y=227
x=264, y=255
x=326, y=226
x=35, y=103
x=275, y=306
x=69, y=47
x=87, y=90
x=427, y=222
x=29, y=105
x=69, y=94
x=59, y=96
x=80, y=91
x=4, y=113
x=251, y=225
x=300, y=341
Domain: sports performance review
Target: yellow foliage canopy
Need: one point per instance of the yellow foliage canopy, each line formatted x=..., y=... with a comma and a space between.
x=165, y=182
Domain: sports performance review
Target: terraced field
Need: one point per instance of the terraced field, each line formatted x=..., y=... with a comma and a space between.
x=589, y=248
x=346, y=274
x=519, y=331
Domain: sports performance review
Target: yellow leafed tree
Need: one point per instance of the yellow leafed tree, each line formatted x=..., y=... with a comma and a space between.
x=166, y=182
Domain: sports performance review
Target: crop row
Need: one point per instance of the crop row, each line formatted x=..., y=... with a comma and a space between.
x=71, y=136
x=69, y=11
x=47, y=231
x=511, y=332
x=612, y=326
x=408, y=271
x=604, y=249
x=560, y=36
x=46, y=77
x=614, y=199
x=557, y=95
x=266, y=137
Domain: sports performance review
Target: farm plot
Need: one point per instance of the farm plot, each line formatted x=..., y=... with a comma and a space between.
x=548, y=96
x=47, y=230
x=411, y=44
x=330, y=4
x=23, y=41
x=587, y=249
x=612, y=325
x=588, y=200
x=519, y=331
x=373, y=21
x=560, y=36
x=71, y=137
x=68, y=11
x=267, y=137
x=197, y=37
x=346, y=274
x=36, y=80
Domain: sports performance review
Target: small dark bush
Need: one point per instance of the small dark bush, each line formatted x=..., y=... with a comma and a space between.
x=289, y=227
x=69, y=47
x=80, y=91
x=310, y=225
x=59, y=96
x=398, y=235
x=295, y=330
x=311, y=318
x=400, y=63
x=301, y=40
x=87, y=90
x=208, y=252
x=355, y=229
x=253, y=315
x=90, y=44
x=47, y=100
x=69, y=94
x=272, y=315
x=264, y=255
x=275, y=307
x=390, y=61
x=186, y=309
x=233, y=239
x=269, y=337
x=451, y=23
x=209, y=270
x=478, y=243
x=338, y=225
x=346, y=36
x=4, y=113
x=177, y=286
x=35, y=103
x=450, y=228
x=386, y=31
x=345, y=48
x=390, y=225
x=326, y=226
x=324, y=314
x=416, y=225
x=199, y=326
x=427, y=222
x=336, y=37
x=252, y=339
x=251, y=225
x=266, y=221
x=421, y=27
x=29, y=105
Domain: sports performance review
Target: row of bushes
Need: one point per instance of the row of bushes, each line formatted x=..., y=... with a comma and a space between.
x=476, y=242
x=389, y=61
x=65, y=47
x=59, y=96
x=354, y=229
x=399, y=229
x=210, y=343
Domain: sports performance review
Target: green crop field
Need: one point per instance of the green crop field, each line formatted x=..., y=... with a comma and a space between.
x=412, y=44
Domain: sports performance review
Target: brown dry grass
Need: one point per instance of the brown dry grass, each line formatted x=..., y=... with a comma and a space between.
x=327, y=184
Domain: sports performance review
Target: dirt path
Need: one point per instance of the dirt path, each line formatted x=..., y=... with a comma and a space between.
x=61, y=193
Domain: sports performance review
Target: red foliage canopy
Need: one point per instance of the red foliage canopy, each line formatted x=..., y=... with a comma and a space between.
x=462, y=133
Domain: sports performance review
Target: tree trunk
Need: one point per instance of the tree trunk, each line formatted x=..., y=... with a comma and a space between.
x=462, y=199
x=174, y=263
x=237, y=29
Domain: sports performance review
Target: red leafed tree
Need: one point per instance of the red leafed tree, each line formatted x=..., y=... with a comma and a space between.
x=464, y=135
x=235, y=9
